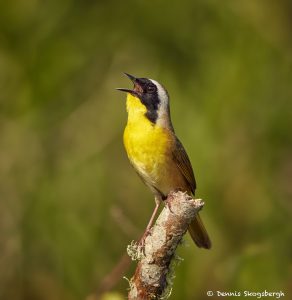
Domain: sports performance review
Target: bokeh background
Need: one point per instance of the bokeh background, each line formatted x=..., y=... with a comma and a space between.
x=70, y=202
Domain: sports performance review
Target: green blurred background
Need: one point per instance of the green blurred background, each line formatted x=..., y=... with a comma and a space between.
x=69, y=200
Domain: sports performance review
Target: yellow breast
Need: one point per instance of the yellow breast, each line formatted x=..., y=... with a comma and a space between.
x=147, y=144
x=150, y=150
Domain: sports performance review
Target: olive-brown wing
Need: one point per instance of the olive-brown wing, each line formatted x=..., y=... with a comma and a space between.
x=184, y=165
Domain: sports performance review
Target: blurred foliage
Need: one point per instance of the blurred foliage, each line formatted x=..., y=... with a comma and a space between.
x=70, y=202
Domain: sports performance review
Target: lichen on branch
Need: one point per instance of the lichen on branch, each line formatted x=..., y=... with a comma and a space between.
x=151, y=278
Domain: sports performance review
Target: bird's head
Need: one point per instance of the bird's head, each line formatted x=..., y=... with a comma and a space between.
x=152, y=96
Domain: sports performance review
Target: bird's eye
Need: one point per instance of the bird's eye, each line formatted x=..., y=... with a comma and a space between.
x=151, y=88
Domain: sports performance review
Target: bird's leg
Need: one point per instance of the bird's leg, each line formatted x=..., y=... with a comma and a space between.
x=147, y=231
x=157, y=204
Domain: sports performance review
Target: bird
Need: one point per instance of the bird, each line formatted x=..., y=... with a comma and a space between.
x=155, y=151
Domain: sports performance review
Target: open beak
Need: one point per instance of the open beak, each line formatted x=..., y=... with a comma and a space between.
x=137, y=88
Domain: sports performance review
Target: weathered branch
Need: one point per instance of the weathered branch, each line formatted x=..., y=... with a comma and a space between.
x=151, y=276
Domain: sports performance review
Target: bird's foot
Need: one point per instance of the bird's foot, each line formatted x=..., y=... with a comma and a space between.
x=167, y=203
x=141, y=242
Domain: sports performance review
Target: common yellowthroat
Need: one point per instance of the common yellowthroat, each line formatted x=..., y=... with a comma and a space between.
x=154, y=150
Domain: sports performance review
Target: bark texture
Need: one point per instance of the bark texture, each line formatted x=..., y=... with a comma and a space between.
x=150, y=280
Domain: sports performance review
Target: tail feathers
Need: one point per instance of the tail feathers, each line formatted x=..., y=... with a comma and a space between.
x=199, y=233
